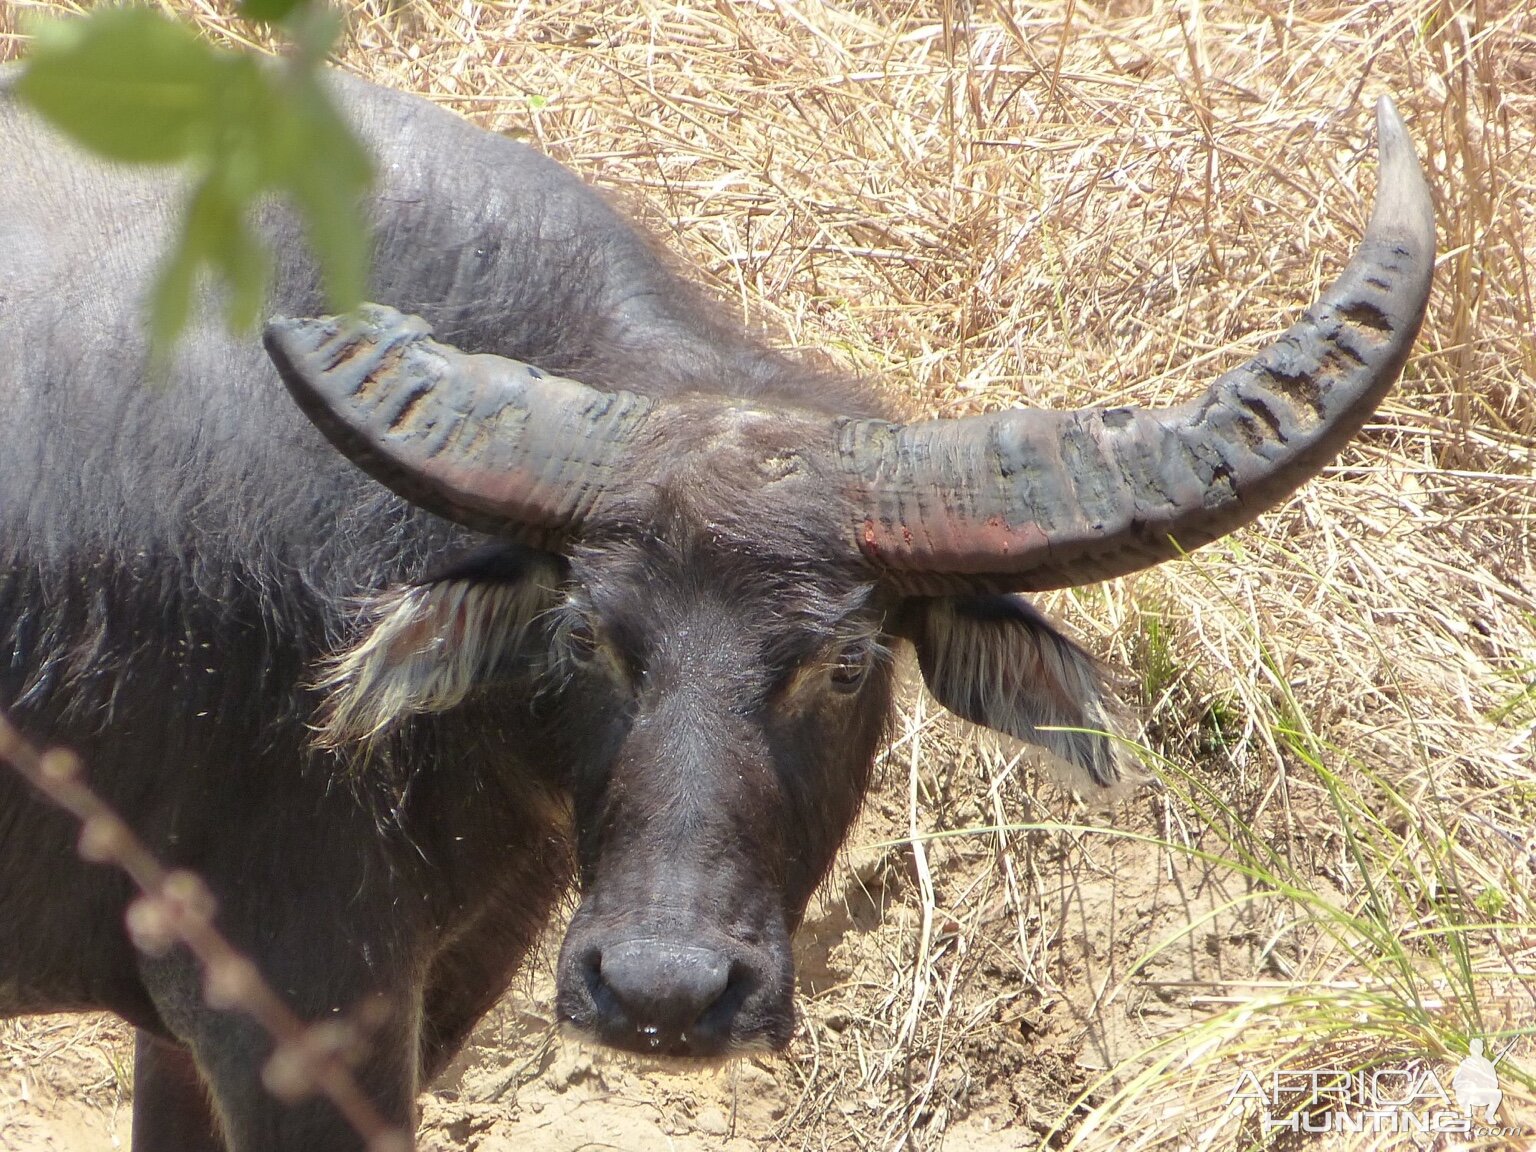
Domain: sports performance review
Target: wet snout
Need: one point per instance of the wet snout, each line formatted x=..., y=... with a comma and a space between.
x=665, y=989
x=689, y=993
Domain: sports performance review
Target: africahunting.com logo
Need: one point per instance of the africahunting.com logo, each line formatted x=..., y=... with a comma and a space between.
x=1412, y=1097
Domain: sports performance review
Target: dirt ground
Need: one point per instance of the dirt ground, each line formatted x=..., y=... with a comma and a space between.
x=1051, y=204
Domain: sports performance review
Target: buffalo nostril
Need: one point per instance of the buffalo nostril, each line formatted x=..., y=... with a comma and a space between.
x=663, y=989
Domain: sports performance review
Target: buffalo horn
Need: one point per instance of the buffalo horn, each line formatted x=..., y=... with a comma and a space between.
x=494, y=444
x=1027, y=500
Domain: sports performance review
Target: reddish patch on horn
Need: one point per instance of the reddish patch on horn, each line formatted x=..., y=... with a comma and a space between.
x=952, y=545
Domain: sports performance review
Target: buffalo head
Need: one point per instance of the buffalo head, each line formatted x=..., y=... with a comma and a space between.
x=699, y=597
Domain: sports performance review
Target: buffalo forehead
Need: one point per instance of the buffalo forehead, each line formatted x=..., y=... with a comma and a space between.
x=711, y=529
x=732, y=475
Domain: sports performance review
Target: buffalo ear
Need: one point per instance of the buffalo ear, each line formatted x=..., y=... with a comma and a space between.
x=997, y=661
x=424, y=647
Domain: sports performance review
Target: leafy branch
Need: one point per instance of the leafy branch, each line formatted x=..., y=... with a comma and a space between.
x=133, y=86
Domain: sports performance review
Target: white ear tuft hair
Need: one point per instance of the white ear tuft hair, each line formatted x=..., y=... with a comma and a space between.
x=426, y=648
x=998, y=662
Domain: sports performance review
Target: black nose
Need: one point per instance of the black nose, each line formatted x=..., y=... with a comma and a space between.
x=682, y=989
x=666, y=993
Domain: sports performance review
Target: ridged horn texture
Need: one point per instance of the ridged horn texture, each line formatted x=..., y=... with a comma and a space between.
x=494, y=444
x=1027, y=500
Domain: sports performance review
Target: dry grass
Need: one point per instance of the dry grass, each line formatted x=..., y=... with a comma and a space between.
x=1071, y=203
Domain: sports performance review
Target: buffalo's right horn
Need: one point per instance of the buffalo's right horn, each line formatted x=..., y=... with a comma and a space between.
x=1026, y=500
x=492, y=443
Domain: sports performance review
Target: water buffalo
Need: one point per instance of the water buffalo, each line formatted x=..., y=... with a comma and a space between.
x=567, y=578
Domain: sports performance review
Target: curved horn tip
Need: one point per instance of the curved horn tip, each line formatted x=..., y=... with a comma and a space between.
x=279, y=330
x=377, y=318
x=1402, y=196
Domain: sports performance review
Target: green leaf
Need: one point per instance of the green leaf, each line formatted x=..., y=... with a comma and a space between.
x=267, y=11
x=243, y=261
x=215, y=234
x=126, y=83
x=171, y=302
x=133, y=86
x=330, y=174
x=314, y=28
x=246, y=104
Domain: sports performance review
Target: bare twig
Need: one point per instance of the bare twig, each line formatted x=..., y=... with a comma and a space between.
x=176, y=907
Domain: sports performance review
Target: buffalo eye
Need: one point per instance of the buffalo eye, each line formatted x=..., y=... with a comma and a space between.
x=581, y=642
x=849, y=667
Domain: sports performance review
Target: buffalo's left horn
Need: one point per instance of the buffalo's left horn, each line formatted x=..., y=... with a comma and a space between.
x=1027, y=500
x=495, y=444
